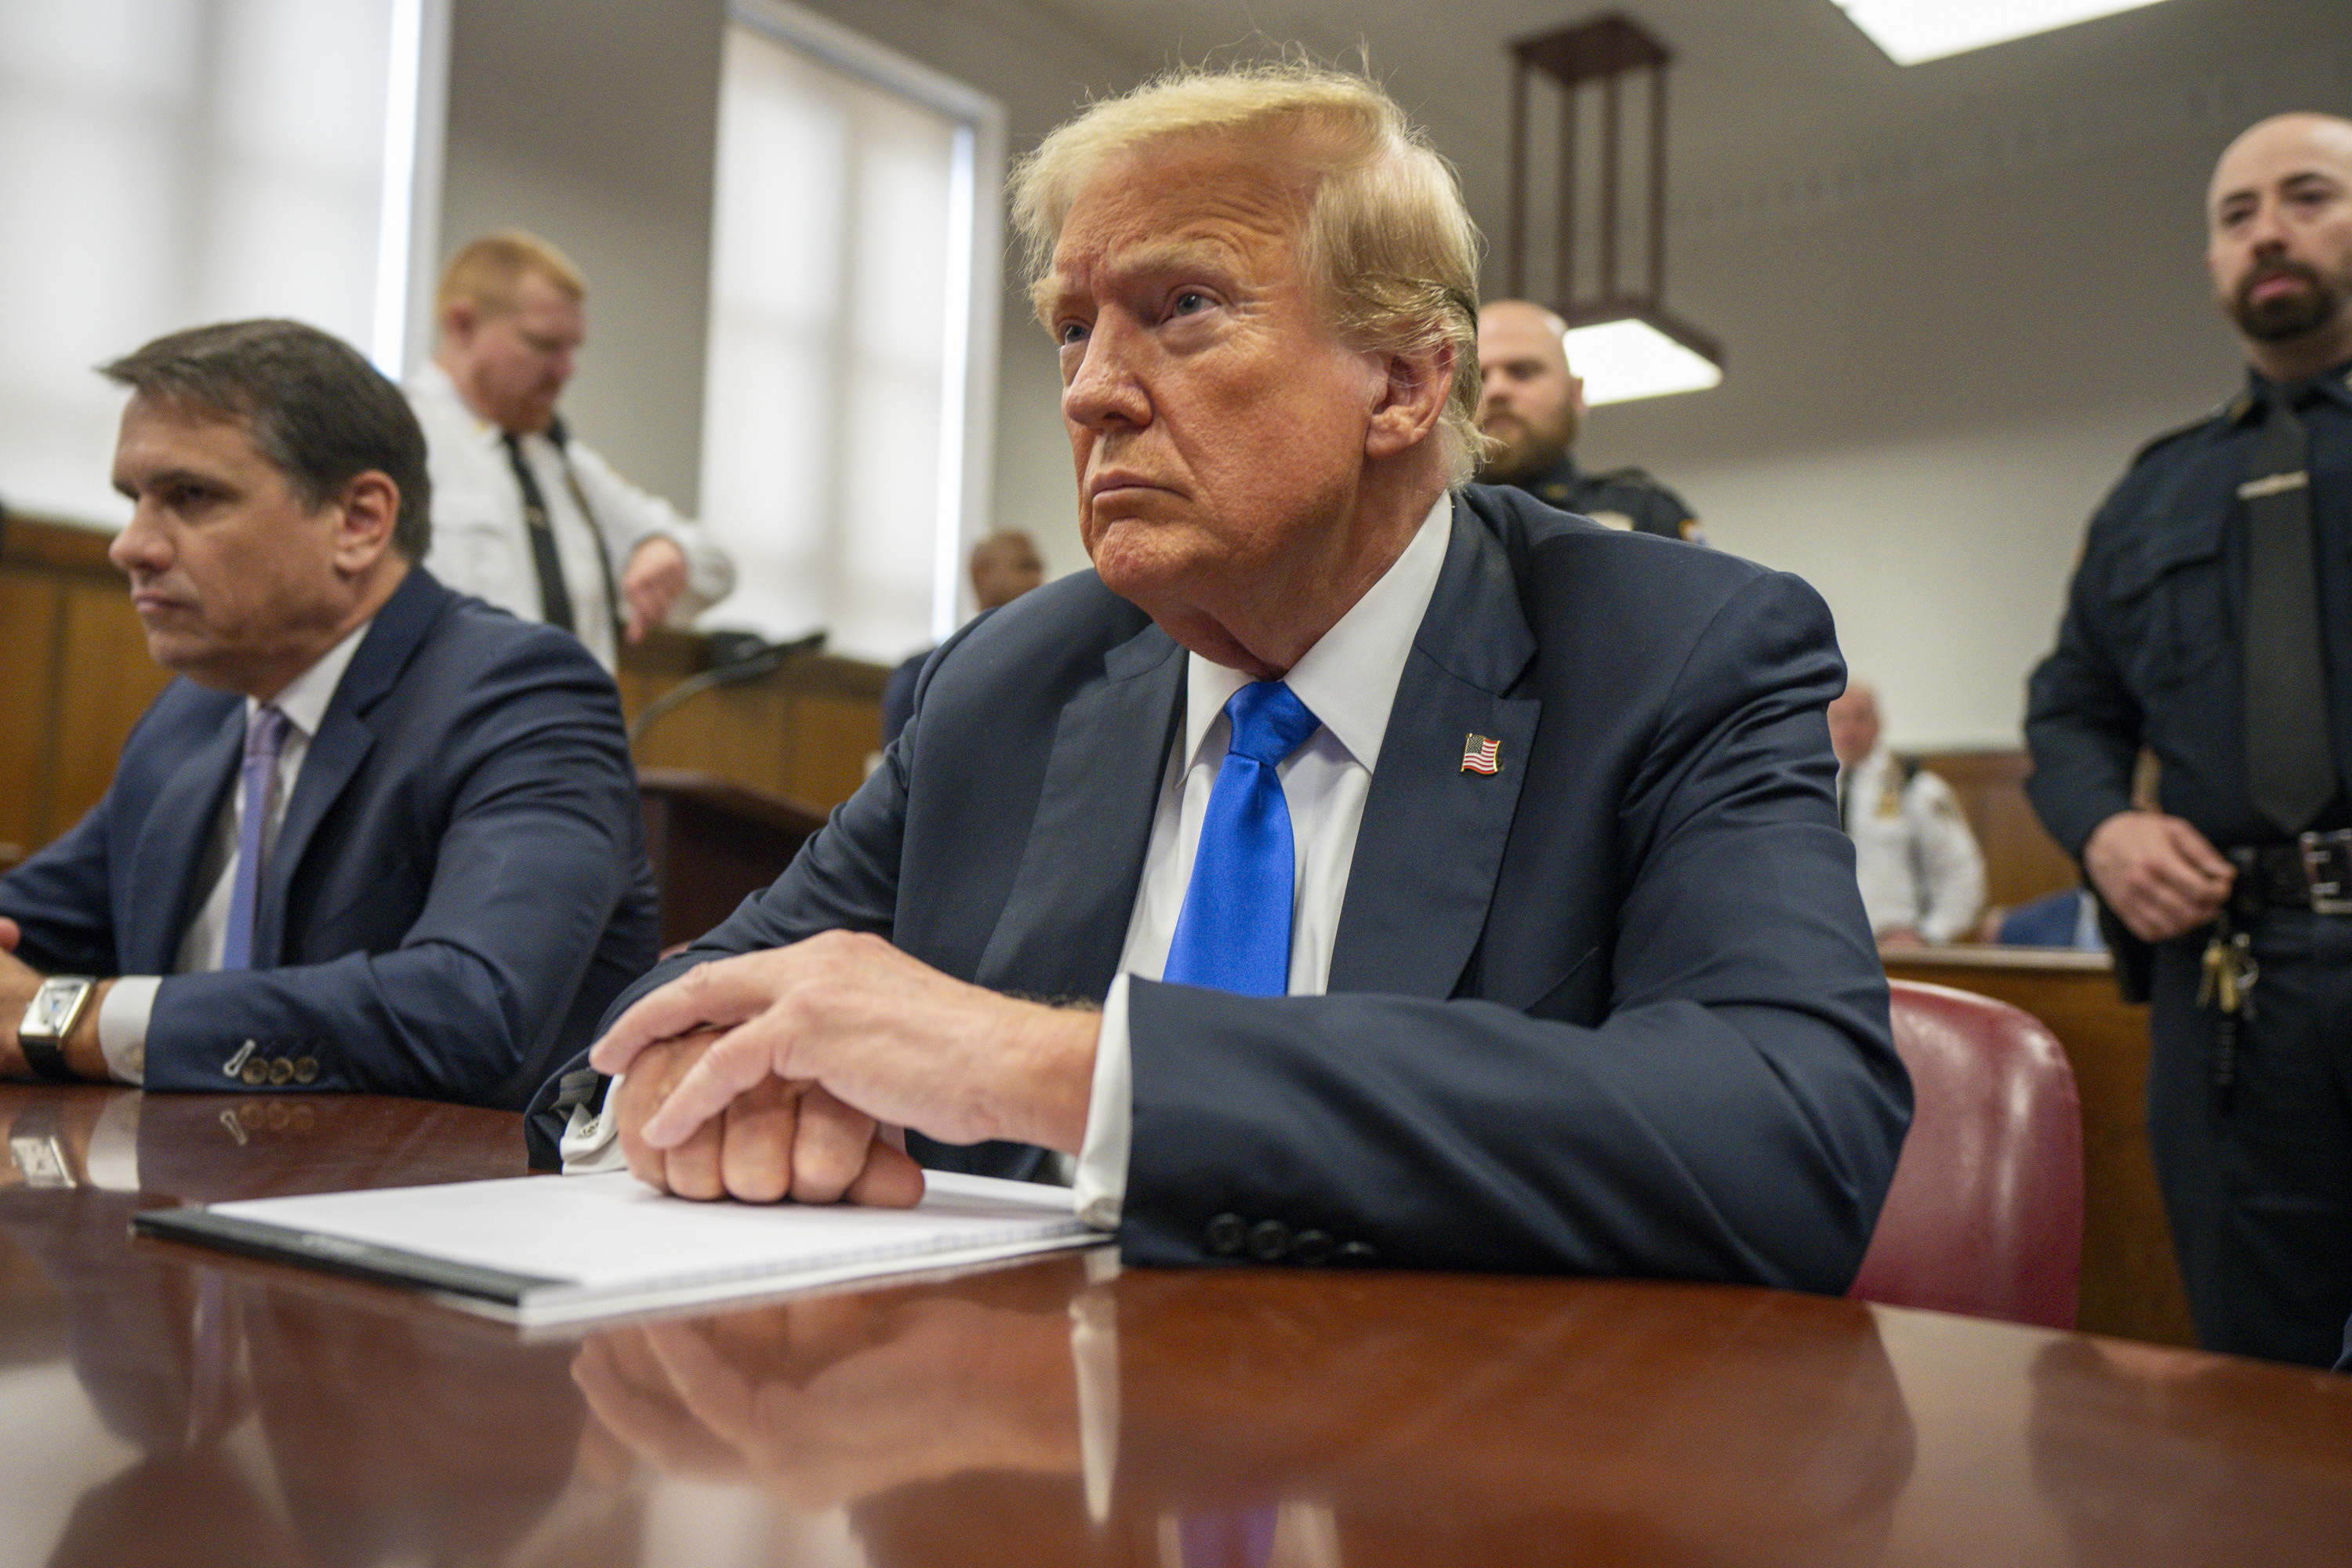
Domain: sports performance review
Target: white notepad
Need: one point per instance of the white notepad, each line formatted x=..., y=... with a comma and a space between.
x=553, y=1249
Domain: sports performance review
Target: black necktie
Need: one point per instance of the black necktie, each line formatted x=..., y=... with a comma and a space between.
x=2289, y=761
x=555, y=602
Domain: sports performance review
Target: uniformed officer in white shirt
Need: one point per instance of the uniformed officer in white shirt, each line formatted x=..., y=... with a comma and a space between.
x=524, y=516
x=1922, y=875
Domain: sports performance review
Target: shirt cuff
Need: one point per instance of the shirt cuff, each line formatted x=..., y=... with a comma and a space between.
x=123, y=1018
x=590, y=1144
x=1100, y=1180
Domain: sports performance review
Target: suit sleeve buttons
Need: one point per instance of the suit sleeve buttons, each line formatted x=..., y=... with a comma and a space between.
x=1225, y=1234
x=1358, y=1254
x=1268, y=1240
x=1313, y=1246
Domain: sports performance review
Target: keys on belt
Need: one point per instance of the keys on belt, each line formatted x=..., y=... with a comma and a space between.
x=2227, y=983
x=2231, y=972
x=2315, y=872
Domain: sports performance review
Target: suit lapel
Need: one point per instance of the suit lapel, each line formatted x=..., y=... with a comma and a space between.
x=345, y=738
x=1431, y=844
x=1065, y=921
x=172, y=843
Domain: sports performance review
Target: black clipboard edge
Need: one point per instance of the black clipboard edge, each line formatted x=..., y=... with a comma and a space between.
x=337, y=1255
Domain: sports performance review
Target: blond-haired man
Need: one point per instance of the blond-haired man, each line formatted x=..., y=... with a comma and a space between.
x=1439, y=879
x=525, y=516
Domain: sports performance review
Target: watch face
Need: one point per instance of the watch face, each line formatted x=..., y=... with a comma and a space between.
x=53, y=1007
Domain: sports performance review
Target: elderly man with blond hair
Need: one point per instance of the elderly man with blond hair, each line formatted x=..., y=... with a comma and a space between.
x=1353, y=867
x=525, y=516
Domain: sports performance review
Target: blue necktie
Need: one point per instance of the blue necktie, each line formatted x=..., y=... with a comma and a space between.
x=1234, y=931
x=263, y=735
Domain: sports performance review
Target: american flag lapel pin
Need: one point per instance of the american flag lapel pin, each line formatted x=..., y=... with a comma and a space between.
x=1479, y=754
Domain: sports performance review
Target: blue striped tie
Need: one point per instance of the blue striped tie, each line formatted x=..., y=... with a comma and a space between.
x=1234, y=931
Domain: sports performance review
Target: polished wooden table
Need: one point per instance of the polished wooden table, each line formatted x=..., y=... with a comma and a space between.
x=158, y=1404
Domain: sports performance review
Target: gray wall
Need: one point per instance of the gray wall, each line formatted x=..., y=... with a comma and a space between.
x=1941, y=352
x=1933, y=379
x=593, y=122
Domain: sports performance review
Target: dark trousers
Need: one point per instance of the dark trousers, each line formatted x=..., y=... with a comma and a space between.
x=2259, y=1185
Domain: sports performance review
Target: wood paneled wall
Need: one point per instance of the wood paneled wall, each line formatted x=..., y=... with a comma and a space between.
x=73, y=680
x=2022, y=861
x=75, y=676
x=803, y=732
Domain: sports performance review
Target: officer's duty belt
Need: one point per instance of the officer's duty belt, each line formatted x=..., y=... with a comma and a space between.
x=2313, y=873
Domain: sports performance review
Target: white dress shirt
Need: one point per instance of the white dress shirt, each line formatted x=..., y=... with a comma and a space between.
x=1349, y=681
x=122, y=1016
x=482, y=546
x=1918, y=863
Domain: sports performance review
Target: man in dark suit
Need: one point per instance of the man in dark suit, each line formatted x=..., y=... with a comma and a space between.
x=1555, y=959
x=378, y=837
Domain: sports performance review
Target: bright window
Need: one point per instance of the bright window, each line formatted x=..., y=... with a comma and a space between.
x=854, y=273
x=165, y=164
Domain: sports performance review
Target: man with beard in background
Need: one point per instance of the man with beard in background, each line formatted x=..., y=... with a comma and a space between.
x=1530, y=409
x=2210, y=623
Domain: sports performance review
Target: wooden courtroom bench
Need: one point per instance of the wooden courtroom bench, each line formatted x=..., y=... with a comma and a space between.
x=714, y=842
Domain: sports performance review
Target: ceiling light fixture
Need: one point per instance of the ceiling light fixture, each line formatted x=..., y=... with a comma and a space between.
x=1911, y=31
x=1622, y=340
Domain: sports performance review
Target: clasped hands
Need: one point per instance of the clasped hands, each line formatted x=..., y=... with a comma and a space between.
x=791, y=1073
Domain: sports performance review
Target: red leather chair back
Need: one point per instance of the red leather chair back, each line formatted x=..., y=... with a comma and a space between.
x=1985, y=1217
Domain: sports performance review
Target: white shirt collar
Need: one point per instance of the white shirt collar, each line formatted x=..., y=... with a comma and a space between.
x=429, y=379
x=1349, y=679
x=305, y=697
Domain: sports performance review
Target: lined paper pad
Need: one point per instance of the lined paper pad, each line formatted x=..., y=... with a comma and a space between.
x=551, y=1249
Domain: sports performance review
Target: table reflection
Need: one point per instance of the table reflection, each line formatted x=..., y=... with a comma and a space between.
x=272, y=1423
x=1215, y=1418
x=2151, y=1456
x=833, y=1399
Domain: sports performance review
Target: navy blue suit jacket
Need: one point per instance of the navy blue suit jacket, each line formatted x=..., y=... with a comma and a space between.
x=457, y=890
x=1613, y=1010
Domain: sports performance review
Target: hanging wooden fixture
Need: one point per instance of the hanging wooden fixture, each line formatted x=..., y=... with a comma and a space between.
x=1622, y=339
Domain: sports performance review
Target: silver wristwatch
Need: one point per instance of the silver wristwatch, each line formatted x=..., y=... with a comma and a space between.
x=49, y=1017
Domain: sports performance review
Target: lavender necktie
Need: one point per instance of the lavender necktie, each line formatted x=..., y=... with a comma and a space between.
x=264, y=732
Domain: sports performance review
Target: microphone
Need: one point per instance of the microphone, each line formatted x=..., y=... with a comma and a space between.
x=735, y=658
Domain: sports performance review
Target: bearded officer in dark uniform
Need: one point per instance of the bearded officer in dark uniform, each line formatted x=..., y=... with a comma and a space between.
x=1529, y=407
x=2211, y=622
